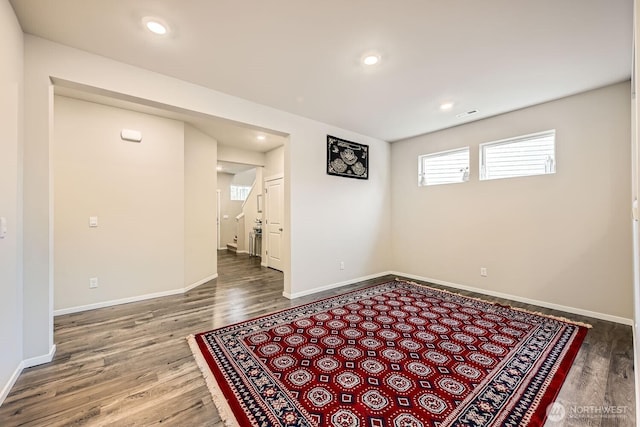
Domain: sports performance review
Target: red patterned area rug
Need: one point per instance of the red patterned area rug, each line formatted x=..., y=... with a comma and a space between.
x=397, y=354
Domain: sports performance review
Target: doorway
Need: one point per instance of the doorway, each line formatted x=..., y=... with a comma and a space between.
x=236, y=143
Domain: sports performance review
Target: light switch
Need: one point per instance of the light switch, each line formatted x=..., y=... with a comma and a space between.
x=225, y=216
x=3, y=227
x=93, y=221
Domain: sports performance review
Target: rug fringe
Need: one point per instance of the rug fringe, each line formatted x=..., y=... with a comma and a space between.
x=224, y=410
x=523, y=310
x=551, y=316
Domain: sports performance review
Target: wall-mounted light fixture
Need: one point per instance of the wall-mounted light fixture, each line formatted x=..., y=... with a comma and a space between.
x=131, y=135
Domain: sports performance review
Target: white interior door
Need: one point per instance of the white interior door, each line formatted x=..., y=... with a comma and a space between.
x=274, y=221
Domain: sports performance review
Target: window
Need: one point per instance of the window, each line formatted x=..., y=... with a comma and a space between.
x=239, y=192
x=446, y=167
x=521, y=156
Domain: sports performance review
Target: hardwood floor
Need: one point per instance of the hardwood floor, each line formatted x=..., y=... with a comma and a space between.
x=131, y=365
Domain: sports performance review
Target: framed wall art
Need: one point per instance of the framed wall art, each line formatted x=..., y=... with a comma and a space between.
x=347, y=158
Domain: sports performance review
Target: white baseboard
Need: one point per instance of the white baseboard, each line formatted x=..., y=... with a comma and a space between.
x=104, y=304
x=12, y=380
x=39, y=360
x=242, y=252
x=137, y=298
x=200, y=282
x=574, y=310
x=334, y=285
x=27, y=363
x=263, y=264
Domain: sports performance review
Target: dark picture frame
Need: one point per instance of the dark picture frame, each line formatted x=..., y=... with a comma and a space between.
x=347, y=158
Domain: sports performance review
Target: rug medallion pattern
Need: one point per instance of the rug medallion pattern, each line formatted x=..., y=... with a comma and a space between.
x=396, y=354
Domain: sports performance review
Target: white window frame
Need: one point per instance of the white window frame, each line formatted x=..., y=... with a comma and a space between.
x=550, y=168
x=422, y=174
x=234, y=189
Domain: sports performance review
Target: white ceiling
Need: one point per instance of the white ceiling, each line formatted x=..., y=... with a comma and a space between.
x=304, y=56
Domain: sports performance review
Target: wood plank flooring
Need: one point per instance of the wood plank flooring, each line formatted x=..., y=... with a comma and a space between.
x=130, y=364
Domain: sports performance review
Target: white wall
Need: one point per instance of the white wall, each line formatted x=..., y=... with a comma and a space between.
x=563, y=239
x=200, y=183
x=135, y=189
x=354, y=213
x=274, y=162
x=343, y=219
x=245, y=178
x=11, y=115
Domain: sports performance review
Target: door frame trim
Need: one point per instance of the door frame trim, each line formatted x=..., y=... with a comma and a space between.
x=273, y=177
x=218, y=219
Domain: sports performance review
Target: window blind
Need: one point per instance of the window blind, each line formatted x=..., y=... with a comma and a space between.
x=444, y=168
x=521, y=156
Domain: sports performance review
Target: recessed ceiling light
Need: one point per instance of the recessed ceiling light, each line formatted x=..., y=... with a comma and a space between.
x=446, y=106
x=219, y=167
x=155, y=26
x=371, y=59
x=262, y=137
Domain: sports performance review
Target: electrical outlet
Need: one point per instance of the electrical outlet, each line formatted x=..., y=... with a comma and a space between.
x=93, y=282
x=483, y=271
x=341, y=265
